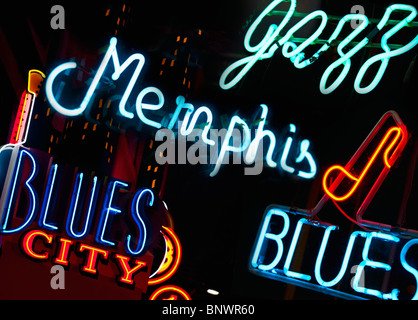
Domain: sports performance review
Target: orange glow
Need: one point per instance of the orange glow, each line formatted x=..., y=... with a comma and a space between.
x=388, y=161
x=169, y=255
x=169, y=233
x=174, y=289
x=28, y=243
x=35, y=79
x=90, y=267
x=63, y=254
x=20, y=116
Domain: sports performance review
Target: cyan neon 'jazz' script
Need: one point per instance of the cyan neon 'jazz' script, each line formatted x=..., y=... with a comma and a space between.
x=273, y=40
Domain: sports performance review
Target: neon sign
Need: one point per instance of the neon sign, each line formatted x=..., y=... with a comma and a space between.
x=190, y=120
x=24, y=113
x=170, y=292
x=359, y=179
x=91, y=256
x=51, y=244
x=273, y=40
x=143, y=198
x=39, y=245
x=279, y=236
x=270, y=257
x=18, y=214
x=383, y=157
x=171, y=260
x=78, y=221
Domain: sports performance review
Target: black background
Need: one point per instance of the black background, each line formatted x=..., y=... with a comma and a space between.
x=217, y=218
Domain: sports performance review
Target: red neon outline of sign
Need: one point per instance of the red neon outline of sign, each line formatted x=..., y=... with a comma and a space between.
x=62, y=257
x=169, y=233
x=176, y=289
x=359, y=179
x=388, y=161
x=28, y=240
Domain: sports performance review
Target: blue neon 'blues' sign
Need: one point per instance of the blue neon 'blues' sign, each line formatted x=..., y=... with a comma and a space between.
x=359, y=270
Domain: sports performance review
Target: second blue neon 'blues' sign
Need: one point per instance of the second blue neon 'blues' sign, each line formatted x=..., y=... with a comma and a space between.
x=377, y=261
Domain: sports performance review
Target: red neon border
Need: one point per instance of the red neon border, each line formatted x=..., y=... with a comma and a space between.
x=396, y=154
x=164, y=289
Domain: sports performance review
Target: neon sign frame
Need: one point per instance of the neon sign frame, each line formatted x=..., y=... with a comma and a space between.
x=273, y=40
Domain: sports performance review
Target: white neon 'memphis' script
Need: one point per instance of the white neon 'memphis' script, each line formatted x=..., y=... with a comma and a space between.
x=190, y=119
x=272, y=40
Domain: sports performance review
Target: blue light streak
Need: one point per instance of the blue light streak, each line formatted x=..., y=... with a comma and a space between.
x=33, y=197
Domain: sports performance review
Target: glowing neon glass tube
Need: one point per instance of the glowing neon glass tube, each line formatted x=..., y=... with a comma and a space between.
x=385, y=57
x=360, y=178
